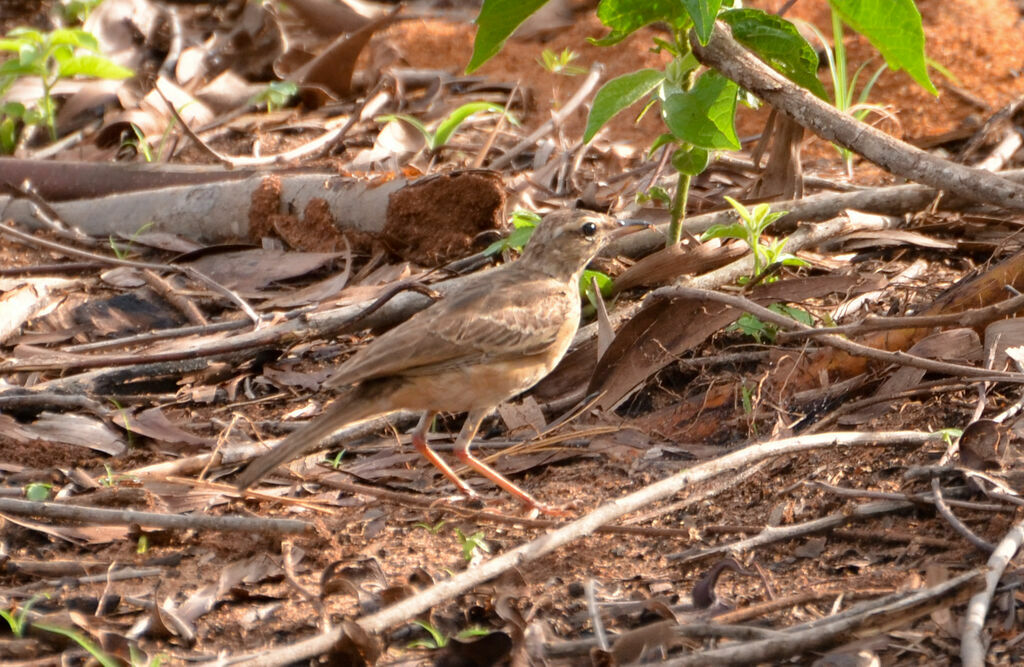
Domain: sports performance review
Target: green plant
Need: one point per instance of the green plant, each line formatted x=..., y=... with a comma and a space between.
x=122, y=253
x=38, y=491
x=275, y=95
x=750, y=228
x=844, y=88
x=698, y=105
x=433, y=530
x=95, y=651
x=335, y=461
x=51, y=56
x=472, y=544
x=76, y=11
x=438, y=639
x=444, y=129
x=142, y=145
x=560, y=63
x=766, y=332
x=18, y=620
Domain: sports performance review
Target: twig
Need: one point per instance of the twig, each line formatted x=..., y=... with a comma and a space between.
x=108, y=517
x=972, y=648
x=773, y=534
x=947, y=513
x=856, y=349
x=731, y=59
x=864, y=620
x=966, y=318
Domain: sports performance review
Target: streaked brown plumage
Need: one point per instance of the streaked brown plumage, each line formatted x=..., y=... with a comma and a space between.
x=468, y=352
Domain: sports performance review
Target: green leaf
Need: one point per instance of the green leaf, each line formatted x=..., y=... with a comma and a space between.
x=497, y=20
x=72, y=37
x=778, y=43
x=617, y=94
x=894, y=28
x=604, y=285
x=447, y=127
x=94, y=66
x=703, y=13
x=704, y=115
x=735, y=230
x=627, y=16
x=690, y=161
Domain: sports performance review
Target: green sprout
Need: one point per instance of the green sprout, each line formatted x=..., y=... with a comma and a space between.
x=444, y=130
x=749, y=229
x=275, y=95
x=560, y=63
x=51, y=56
x=472, y=544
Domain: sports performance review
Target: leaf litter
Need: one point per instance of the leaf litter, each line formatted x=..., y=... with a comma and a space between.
x=697, y=392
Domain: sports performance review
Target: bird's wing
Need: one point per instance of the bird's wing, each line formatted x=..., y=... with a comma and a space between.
x=484, y=322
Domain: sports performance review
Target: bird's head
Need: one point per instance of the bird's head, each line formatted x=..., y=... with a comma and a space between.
x=566, y=240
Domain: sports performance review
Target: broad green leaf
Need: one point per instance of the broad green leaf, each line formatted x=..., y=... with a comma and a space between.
x=735, y=230
x=497, y=20
x=691, y=161
x=618, y=94
x=626, y=16
x=894, y=28
x=703, y=13
x=704, y=115
x=94, y=66
x=27, y=34
x=778, y=43
x=446, y=128
x=71, y=37
x=10, y=44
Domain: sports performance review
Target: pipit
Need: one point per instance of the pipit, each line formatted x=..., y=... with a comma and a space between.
x=470, y=351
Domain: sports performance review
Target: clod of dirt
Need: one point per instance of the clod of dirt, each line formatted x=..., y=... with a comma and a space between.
x=438, y=219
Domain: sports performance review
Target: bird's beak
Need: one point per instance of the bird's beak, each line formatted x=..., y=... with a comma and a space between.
x=629, y=226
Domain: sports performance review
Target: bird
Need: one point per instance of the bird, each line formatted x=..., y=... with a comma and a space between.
x=468, y=352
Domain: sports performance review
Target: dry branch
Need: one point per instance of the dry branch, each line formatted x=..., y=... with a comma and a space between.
x=731, y=59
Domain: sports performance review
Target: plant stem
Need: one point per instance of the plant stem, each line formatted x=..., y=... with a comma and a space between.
x=678, y=211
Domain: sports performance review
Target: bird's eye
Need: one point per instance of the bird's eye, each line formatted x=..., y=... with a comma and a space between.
x=588, y=229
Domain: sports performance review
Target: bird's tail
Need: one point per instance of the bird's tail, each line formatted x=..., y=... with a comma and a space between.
x=353, y=406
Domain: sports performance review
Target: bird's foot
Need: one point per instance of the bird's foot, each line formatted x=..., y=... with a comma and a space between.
x=536, y=507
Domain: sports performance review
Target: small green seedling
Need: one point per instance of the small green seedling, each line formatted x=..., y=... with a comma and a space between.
x=95, y=651
x=38, y=491
x=438, y=639
x=472, y=544
x=766, y=332
x=335, y=461
x=560, y=63
x=18, y=620
x=444, y=130
x=275, y=96
x=950, y=435
x=122, y=253
x=76, y=11
x=843, y=87
x=749, y=229
x=51, y=56
x=433, y=530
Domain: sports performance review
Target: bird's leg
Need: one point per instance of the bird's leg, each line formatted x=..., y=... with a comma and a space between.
x=462, y=445
x=419, y=441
